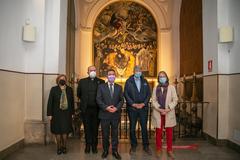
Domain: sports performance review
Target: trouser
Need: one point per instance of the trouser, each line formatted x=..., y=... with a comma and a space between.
x=91, y=125
x=169, y=135
x=106, y=125
x=142, y=115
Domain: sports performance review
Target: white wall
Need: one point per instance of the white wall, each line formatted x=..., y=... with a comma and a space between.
x=210, y=52
x=218, y=13
x=51, y=55
x=21, y=95
x=50, y=19
x=234, y=14
x=234, y=67
x=223, y=55
x=210, y=35
x=55, y=36
x=63, y=36
x=14, y=53
x=228, y=57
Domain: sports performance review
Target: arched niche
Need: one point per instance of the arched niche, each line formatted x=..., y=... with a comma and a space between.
x=125, y=35
x=86, y=14
x=155, y=8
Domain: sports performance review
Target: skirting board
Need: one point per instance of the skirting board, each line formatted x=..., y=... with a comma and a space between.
x=13, y=148
x=222, y=142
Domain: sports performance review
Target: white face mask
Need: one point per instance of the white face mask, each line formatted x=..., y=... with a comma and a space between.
x=92, y=74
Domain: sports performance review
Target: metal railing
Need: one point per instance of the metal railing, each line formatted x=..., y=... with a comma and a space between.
x=124, y=126
x=189, y=115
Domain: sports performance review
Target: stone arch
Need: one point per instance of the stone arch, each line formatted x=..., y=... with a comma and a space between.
x=150, y=5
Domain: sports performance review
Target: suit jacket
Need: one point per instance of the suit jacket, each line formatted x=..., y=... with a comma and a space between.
x=171, y=102
x=131, y=90
x=104, y=100
x=82, y=91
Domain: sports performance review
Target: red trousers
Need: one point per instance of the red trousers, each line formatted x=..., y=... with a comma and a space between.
x=169, y=135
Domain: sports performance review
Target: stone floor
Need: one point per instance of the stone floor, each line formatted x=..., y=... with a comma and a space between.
x=203, y=151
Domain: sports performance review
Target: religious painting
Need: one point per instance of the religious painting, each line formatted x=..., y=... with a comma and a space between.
x=125, y=35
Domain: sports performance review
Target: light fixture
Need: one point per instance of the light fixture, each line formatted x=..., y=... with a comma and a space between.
x=225, y=34
x=29, y=32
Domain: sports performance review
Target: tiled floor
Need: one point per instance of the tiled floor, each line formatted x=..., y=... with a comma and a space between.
x=204, y=151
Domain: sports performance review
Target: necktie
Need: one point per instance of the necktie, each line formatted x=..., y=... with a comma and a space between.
x=111, y=89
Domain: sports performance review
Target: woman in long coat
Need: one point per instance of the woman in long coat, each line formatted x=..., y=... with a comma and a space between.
x=164, y=100
x=60, y=110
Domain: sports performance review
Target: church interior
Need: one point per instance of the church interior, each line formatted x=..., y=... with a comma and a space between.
x=197, y=43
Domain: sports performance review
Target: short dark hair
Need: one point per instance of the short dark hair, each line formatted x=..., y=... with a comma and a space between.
x=91, y=66
x=109, y=70
x=137, y=68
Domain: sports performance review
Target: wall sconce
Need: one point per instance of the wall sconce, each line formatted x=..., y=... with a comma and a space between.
x=29, y=32
x=225, y=34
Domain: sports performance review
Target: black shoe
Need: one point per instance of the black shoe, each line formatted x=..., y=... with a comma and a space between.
x=133, y=150
x=59, y=151
x=94, y=149
x=87, y=148
x=104, y=154
x=64, y=150
x=116, y=155
x=147, y=150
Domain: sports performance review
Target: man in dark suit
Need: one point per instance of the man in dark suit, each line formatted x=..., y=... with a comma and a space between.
x=110, y=101
x=137, y=94
x=87, y=92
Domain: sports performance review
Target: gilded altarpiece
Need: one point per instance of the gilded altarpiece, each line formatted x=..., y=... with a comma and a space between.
x=125, y=35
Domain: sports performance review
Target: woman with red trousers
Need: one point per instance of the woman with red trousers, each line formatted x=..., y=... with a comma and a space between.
x=164, y=100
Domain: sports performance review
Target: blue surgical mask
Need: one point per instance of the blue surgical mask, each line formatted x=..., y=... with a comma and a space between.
x=137, y=74
x=162, y=80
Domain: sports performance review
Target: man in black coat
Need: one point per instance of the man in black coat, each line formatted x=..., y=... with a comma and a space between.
x=110, y=101
x=137, y=94
x=87, y=92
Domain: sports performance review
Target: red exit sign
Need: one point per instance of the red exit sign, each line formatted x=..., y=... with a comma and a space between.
x=210, y=64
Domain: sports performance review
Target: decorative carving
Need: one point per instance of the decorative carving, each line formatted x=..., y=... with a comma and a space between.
x=125, y=35
x=88, y=10
x=89, y=1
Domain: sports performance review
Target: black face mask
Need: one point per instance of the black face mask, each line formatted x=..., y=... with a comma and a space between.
x=62, y=82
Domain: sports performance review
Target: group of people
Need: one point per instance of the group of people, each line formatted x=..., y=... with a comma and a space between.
x=101, y=103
